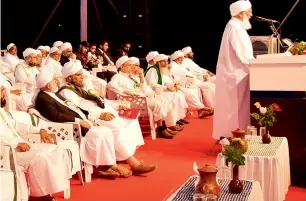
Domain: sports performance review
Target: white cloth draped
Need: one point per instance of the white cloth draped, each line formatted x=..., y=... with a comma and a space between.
x=127, y=133
x=49, y=158
x=97, y=147
x=232, y=108
x=207, y=88
x=161, y=108
x=7, y=69
x=192, y=99
x=53, y=65
x=11, y=59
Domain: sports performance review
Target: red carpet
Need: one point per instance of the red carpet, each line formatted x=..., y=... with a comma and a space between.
x=174, y=159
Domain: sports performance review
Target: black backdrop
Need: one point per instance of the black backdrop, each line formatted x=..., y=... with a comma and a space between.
x=174, y=24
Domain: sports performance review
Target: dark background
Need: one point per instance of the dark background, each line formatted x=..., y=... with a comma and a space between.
x=170, y=24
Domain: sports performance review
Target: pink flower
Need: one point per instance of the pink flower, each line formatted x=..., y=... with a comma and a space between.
x=276, y=107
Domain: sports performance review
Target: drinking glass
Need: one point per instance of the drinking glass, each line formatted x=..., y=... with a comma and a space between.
x=199, y=197
x=253, y=131
x=262, y=131
x=211, y=197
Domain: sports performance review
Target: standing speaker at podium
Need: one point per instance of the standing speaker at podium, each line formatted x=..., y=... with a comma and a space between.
x=232, y=106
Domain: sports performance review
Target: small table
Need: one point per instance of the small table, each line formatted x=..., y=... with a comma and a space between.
x=251, y=191
x=266, y=163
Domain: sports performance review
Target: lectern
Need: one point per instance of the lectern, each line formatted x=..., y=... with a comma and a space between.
x=281, y=79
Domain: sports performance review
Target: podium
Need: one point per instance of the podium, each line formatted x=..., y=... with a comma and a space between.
x=278, y=72
x=281, y=79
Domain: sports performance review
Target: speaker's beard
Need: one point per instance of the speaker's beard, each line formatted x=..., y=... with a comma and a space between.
x=246, y=22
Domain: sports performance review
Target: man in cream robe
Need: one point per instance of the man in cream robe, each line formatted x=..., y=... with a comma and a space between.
x=34, y=158
x=192, y=96
x=10, y=61
x=154, y=79
x=52, y=62
x=126, y=82
x=190, y=65
x=26, y=72
x=104, y=114
x=11, y=55
x=45, y=51
x=207, y=88
x=150, y=58
x=233, y=90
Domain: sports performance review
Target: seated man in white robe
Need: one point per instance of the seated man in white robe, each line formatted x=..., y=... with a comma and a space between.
x=193, y=100
x=20, y=99
x=52, y=62
x=11, y=55
x=190, y=65
x=130, y=81
x=58, y=44
x=154, y=79
x=10, y=61
x=99, y=146
x=150, y=58
x=39, y=60
x=26, y=72
x=178, y=69
x=35, y=158
x=45, y=51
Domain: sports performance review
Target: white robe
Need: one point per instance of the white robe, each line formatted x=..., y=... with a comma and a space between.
x=207, y=88
x=41, y=157
x=11, y=59
x=179, y=103
x=232, y=108
x=53, y=65
x=127, y=133
x=20, y=102
x=195, y=69
x=192, y=99
x=97, y=147
x=161, y=107
x=94, y=83
x=8, y=70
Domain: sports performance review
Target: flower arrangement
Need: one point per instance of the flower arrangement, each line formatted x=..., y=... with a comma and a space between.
x=234, y=152
x=266, y=115
x=298, y=49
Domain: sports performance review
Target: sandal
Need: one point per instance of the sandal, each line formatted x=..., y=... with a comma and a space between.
x=123, y=172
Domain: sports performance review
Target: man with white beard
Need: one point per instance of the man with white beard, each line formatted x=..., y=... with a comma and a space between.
x=178, y=69
x=35, y=158
x=233, y=90
x=100, y=145
x=194, y=68
x=39, y=58
x=154, y=79
x=130, y=81
x=52, y=63
x=44, y=50
x=103, y=111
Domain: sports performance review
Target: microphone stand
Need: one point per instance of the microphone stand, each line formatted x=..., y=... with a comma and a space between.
x=278, y=36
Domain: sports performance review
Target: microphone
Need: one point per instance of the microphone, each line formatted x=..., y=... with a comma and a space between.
x=257, y=18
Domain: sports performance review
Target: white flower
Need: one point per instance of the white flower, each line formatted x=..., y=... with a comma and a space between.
x=263, y=110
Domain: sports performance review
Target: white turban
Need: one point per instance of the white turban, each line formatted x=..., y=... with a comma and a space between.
x=151, y=55
x=239, y=6
x=10, y=46
x=71, y=68
x=43, y=78
x=176, y=55
x=57, y=44
x=65, y=46
x=42, y=48
x=121, y=61
x=28, y=51
x=53, y=49
x=186, y=50
x=47, y=48
x=38, y=52
x=160, y=57
x=134, y=60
